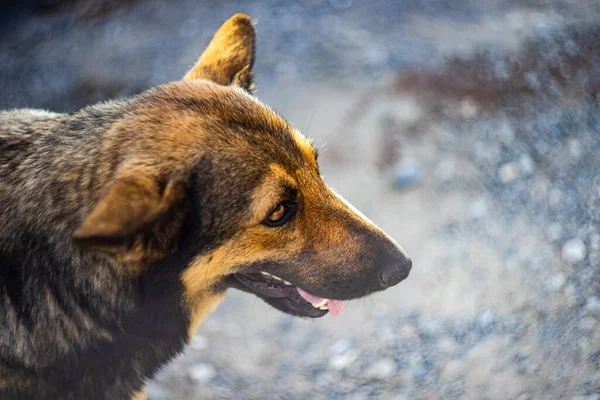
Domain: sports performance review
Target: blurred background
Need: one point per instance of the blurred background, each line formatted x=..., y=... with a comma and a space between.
x=469, y=130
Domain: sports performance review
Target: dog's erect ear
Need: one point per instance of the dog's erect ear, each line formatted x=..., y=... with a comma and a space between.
x=131, y=206
x=229, y=57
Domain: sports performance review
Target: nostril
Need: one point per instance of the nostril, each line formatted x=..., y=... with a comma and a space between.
x=384, y=280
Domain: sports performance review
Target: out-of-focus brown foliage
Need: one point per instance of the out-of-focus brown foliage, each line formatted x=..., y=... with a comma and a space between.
x=562, y=67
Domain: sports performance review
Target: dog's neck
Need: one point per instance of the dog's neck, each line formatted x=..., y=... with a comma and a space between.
x=49, y=177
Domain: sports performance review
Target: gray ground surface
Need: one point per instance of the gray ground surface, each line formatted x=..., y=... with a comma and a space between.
x=469, y=130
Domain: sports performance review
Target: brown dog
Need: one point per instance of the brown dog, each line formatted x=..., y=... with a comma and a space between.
x=124, y=224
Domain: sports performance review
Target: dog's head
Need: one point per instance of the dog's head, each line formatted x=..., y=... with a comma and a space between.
x=208, y=174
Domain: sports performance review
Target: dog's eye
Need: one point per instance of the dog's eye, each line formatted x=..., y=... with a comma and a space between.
x=279, y=216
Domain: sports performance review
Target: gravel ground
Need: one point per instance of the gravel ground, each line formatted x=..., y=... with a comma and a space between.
x=468, y=130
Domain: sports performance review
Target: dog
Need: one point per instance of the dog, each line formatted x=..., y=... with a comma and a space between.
x=124, y=224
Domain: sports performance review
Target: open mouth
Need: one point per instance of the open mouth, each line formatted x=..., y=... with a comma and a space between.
x=286, y=297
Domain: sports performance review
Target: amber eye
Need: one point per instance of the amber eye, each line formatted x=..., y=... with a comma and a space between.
x=279, y=216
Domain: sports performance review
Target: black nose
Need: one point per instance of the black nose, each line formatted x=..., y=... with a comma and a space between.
x=395, y=273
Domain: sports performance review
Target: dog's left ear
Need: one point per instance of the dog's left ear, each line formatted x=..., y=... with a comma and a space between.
x=131, y=207
x=229, y=57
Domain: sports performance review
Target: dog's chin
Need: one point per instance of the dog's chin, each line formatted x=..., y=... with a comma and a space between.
x=278, y=293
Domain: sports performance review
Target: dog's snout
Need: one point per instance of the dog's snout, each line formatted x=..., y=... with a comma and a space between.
x=395, y=272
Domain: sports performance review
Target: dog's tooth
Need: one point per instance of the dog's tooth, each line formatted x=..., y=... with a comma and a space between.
x=320, y=304
x=276, y=277
x=265, y=273
x=323, y=308
x=287, y=283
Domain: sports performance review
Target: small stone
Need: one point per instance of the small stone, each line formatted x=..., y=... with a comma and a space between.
x=386, y=335
x=557, y=282
x=592, y=306
x=478, y=209
x=381, y=370
x=343, y=361
x=508, y=172
x=526, y=164
x=340, y=347
x=202, y=373
x=406, y=174
x=575, y=148
x=432, y=328
x=486, y=320
x=506, y=133
x=468, y=109
x=574, y=251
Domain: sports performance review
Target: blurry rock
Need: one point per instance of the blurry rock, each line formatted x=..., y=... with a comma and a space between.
x=574, y=251
x=432, y=328
x=386, y=335
x=478, y=209
x=485, y=321
x=593, y=306
x=557, y=281
x=201, y=374
x=508, y=172
x=406, y=174
x=343, y=361
x=468, y=109
x=506, y=133
x=452, y=370
x=526, y=164
x=341, y=4
x=340, y=347
x=382, y=369
x=575, y=148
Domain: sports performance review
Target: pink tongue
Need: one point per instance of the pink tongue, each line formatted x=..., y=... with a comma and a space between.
x=334, y=306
